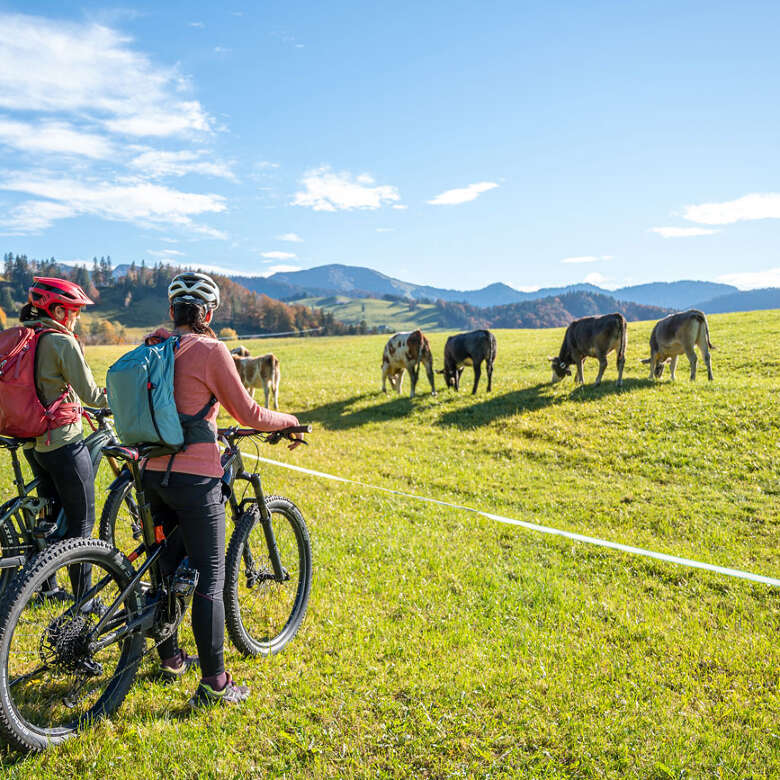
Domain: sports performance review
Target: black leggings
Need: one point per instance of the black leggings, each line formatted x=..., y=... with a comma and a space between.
x=66, y=478
x=197, y=506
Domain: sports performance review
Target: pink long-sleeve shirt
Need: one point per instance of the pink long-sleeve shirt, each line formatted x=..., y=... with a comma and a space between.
x=204, y=368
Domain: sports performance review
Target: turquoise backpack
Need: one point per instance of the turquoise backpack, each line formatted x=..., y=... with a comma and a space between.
x=140, y=394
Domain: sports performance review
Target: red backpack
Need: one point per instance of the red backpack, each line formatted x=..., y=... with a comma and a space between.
x=22, y=413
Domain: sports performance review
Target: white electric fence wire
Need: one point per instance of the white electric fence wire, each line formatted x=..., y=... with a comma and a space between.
x=544, y=529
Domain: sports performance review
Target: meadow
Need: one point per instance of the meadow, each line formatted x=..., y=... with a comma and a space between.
x=441, y=644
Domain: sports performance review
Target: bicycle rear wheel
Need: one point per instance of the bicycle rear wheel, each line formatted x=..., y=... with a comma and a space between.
x=120, y=520
x=52, y=682
x=262, y=612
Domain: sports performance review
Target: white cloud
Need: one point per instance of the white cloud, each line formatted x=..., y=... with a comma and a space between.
x=90, y=70
x=682, y=232
x=280, y=269
x=141, y=203
x=600, y=281
x=749, y=207
x=586, y=259
x=463, y=194
x=197, y=24
x=156, y=164
x=385, y=230
x=221, y=50
x=54, y=138
x=165, y=253
x=292, y=237
x=400, y=207
x=751, y=280
x=278, y=255
x=325, y=190
x=33, y=216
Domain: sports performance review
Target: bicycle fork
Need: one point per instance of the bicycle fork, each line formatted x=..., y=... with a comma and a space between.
x=280, y=573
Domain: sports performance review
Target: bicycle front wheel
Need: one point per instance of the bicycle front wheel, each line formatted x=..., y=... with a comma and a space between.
x=56, y=677
x=264, y=610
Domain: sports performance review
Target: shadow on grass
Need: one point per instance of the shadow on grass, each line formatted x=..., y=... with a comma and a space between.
x=531, y=399
x=337, y=415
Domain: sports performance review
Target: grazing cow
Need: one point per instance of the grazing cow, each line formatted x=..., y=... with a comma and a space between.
x=591, y=337
x=262, y=372
x=405, y=352
x=677, y=334
x=240, y=350
x=469, y=349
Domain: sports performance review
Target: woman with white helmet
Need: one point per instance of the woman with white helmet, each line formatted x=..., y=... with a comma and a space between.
x=192, y=497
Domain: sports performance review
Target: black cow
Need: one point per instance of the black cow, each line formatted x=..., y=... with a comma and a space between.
x=591, y=337
x=469, y=349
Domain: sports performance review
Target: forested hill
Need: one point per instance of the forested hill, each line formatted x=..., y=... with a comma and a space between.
x=139, y=297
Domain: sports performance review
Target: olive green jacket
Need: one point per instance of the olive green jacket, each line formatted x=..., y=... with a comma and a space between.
x=59, y=363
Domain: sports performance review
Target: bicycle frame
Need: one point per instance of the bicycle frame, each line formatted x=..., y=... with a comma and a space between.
x=154, y=541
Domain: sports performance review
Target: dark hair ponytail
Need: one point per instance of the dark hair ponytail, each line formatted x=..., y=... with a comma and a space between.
x=193, y=316
x=28, y=313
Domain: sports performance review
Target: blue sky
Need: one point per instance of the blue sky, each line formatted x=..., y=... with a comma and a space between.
x=447, y=143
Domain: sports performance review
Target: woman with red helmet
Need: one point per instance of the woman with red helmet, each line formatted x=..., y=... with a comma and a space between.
x=59, y=458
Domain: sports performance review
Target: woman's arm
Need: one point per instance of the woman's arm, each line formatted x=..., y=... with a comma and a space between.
x=223, y=381
x=77, y=374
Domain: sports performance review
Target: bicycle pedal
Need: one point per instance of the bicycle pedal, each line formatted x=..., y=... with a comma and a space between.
x=184, y=582
x=44, y=529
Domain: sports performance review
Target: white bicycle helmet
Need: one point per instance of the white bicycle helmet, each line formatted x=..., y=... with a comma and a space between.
x=194, y=287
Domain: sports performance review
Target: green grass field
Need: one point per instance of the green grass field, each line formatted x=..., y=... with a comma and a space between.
x=394, y=315
x=442, y=644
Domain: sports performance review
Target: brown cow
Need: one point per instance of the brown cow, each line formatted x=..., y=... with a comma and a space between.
x=405, y=352
x=262, y=372
x=677, y=334
x=591, y=337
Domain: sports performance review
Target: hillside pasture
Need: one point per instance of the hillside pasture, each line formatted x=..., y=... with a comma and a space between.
x=439, y=643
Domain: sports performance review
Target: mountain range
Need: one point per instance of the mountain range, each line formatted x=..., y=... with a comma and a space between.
x=359, y=282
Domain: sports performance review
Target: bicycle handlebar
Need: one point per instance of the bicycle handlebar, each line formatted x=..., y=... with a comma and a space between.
x=99, y=414
x=272, y=437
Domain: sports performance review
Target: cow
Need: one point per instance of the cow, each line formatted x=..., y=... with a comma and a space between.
x=469, y=349
x=591, y=337
x=262, y=372
x=405, y=352
x=677, y=334
x=241, y=351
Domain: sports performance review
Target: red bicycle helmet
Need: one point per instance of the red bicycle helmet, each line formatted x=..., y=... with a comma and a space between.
x=47, y=292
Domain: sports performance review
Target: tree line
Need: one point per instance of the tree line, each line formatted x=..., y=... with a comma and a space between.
x=141, y=287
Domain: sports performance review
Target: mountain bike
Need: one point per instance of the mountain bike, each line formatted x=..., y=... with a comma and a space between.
x=26, y=526
x=121, y=527
x=62, y=666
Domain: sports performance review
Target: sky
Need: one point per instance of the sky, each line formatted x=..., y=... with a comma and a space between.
x=446, y=143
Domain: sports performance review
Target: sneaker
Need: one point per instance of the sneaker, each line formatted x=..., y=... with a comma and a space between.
x=172, y=673
x=206, y=696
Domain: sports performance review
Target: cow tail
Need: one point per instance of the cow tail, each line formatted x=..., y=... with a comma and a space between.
x=623, y=338
x=707, y=334
x=493, y=349
x=703, y=319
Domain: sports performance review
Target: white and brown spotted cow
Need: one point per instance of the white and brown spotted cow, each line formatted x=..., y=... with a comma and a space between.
x=262, y=372
x=405, y=352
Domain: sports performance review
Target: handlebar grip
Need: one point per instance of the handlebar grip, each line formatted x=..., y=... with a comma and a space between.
x=296, y=429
